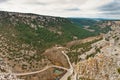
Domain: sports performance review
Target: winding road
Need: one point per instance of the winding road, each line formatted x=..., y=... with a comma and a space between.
x=69, y=71
x=65, y=77
x=35, y=72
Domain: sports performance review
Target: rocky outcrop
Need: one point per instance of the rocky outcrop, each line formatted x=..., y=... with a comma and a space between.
x=105, y=64
x=100, y=67
x=6, y=72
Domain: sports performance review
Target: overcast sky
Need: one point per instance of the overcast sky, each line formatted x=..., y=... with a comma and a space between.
x=65, y=8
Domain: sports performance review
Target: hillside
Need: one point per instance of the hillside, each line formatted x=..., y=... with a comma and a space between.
x=40, y=31
x=31, y=42
x=24, y=37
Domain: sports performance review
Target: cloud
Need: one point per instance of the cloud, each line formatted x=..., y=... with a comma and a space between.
x=1, y=1
x=93, y=4
x=63, y=8
x=36, y=3
x=114, y=6
x=112, y=9
x=73, y=9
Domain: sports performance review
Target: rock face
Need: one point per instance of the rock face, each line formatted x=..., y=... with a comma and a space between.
x=6, y=72
x=104, y=65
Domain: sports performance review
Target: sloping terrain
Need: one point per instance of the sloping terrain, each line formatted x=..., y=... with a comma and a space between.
x=24, y=37
x=27, y=42
x=40, y=31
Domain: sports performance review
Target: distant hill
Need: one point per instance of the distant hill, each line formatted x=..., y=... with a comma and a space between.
x=97, y=25
x=83, y=21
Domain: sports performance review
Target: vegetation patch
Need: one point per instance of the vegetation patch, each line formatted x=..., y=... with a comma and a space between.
x=118, y=70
